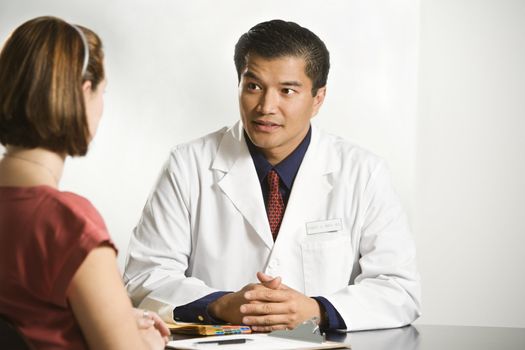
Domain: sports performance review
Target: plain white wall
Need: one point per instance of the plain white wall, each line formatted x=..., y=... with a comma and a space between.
x=470, y=210
x=171, y=79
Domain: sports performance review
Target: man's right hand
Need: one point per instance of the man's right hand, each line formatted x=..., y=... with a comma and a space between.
x=227, y=307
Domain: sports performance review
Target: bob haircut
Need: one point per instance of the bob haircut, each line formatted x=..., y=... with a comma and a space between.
x=41, y=98
x=278, y=38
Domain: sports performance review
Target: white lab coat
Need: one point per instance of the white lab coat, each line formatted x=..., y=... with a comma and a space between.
x=344, y=235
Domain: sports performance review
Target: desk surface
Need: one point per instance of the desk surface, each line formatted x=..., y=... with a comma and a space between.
x=426, y=337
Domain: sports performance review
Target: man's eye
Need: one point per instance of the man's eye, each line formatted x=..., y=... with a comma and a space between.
x=287, y=91
x=253, y=86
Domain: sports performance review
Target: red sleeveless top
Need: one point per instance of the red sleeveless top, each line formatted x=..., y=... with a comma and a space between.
x=45, y=235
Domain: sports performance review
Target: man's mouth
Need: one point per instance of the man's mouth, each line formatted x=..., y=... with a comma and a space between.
x=265, y=125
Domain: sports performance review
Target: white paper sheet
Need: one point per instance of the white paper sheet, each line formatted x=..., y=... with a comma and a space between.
x=254, y=341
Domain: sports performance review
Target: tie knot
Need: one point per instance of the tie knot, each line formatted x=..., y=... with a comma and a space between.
x=273, y=179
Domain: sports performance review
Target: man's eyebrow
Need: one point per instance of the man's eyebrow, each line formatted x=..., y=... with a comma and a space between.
x=250, y=74
x=292, y=83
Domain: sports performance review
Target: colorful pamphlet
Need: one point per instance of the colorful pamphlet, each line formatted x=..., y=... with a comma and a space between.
x=208, y=329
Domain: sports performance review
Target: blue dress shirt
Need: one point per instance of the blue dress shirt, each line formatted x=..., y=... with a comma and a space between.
x=287, y=169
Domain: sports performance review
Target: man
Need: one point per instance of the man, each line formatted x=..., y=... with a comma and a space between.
x=272, y=222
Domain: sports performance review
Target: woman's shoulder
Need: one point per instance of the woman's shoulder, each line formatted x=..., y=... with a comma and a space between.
x=72, y=206
x=54, y=207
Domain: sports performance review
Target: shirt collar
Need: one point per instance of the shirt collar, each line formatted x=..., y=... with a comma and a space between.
x=287, y=168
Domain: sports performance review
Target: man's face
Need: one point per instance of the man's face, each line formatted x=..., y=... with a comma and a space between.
x=276, y=104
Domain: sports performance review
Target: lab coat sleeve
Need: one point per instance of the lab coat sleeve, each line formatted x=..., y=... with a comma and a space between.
x=161, y=245
x=386, y=292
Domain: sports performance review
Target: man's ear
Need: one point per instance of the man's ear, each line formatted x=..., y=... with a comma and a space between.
x=318, y=100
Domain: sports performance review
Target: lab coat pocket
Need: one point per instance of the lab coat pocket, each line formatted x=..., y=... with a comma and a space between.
x=327, y=264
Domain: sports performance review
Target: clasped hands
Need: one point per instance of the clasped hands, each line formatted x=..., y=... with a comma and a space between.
x=265, y=306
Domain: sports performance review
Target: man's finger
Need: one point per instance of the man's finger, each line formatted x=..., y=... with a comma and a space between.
x=269, y=281
x=266, y=294
x=267, y=320
x=269, y=328
x=264, y=308
x=262, y=277
x=274, y=283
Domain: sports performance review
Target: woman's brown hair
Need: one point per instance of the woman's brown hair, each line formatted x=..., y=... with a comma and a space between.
x=41, y=98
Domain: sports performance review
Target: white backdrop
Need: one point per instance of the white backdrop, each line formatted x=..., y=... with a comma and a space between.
x=171, y=79
x=470, y=161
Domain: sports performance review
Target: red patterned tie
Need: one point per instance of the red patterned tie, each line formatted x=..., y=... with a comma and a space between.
x=275, y=203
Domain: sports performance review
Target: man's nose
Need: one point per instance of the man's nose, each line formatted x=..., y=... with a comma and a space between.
x=268, y=102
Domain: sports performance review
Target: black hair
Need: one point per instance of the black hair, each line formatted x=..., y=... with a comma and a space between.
x=278, y=38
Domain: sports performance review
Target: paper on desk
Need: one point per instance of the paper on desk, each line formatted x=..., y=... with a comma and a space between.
x=259, y=341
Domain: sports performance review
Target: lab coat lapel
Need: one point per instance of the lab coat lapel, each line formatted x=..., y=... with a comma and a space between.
x=309, y=195
x=240, y=182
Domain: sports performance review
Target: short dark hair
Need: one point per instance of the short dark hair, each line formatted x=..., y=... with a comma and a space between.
x=278, y=38
x=41, y=98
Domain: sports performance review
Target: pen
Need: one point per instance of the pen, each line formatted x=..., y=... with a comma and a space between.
x=223, y=342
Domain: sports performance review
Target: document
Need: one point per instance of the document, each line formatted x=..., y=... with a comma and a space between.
x=250, y=341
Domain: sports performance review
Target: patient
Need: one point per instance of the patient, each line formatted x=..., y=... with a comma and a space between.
x=60, y=285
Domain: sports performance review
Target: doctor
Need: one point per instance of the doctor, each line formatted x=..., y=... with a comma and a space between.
x=272, y=222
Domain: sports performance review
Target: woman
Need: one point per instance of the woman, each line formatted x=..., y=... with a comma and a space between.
x=60, y=285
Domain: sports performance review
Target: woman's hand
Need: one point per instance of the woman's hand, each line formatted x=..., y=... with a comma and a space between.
x=146, y=319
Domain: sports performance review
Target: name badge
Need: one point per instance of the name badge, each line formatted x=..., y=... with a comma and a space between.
x=315, y=227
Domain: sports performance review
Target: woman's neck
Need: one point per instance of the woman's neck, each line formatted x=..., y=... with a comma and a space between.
x=31, y=167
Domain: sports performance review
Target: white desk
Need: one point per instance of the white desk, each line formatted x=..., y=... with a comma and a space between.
x=426, y=337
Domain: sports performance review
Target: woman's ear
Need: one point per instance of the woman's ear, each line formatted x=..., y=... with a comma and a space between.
x=86, y=87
